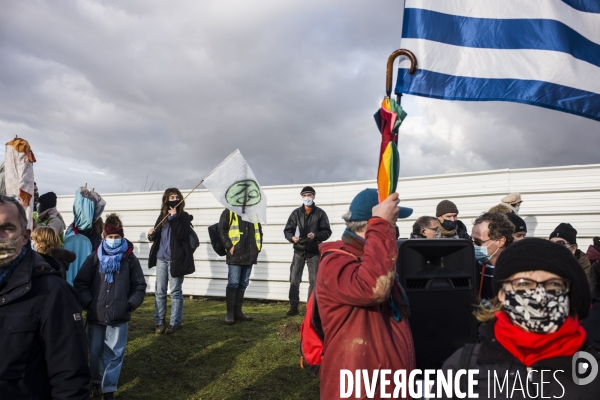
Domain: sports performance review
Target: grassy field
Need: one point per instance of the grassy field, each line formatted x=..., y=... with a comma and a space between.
x=210, y=360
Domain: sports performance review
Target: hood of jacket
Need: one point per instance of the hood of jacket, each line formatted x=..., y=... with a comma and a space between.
x=62, y=255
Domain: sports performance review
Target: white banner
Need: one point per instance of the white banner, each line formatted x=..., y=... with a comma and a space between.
x=234, y=185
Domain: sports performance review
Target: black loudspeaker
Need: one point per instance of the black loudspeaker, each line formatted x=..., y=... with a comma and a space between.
x=441, y=281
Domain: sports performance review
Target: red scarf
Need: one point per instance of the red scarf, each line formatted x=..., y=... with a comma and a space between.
x=529, y=347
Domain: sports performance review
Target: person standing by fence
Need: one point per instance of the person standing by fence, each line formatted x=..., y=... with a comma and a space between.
x=307, y=227
x=173, y=257
x=243, y=242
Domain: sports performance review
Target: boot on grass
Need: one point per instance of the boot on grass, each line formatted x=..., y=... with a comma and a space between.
x=230, y=296
x=239, y=301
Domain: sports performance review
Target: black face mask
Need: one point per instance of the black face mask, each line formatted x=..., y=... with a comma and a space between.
x=449, y=225
x=172, y=203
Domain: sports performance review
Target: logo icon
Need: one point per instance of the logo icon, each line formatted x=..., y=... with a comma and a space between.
x=584, y=367
x=243, y=194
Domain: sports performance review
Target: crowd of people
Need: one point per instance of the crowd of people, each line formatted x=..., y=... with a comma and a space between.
x=67, y=292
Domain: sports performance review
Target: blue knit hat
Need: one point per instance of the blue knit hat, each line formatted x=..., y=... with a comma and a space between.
x=362, y=206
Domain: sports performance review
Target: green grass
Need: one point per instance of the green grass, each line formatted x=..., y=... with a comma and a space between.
x=210, y=360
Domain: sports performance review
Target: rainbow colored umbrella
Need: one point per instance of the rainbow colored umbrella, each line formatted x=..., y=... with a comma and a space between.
x=388, y=119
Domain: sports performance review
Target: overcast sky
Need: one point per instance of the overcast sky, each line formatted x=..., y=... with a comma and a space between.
x=116, y=92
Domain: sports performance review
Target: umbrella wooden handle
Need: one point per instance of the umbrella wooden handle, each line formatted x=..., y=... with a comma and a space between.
x=389, y=75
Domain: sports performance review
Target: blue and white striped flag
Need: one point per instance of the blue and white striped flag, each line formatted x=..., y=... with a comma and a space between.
x=543, y=52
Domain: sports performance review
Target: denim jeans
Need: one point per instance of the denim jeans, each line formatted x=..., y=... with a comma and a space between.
x=164, y=278
x=107, y=348
x=296, y=270
x=238, y=277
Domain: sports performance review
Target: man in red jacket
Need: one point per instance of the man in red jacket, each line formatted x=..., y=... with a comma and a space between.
x=363, y=309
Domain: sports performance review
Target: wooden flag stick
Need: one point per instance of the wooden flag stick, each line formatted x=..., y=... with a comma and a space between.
x=161, y=221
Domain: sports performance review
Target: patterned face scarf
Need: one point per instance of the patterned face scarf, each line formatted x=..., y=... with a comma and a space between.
x=537, y=310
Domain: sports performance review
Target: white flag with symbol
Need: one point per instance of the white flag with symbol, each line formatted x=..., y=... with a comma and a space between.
x=234, y=185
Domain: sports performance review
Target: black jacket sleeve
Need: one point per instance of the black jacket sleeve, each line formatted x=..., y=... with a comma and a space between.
x=180, y=226
x=84, y=281
x=224, y=229
x=137, y=282
x=324, y=229
x=65, y=345
x=290, y=228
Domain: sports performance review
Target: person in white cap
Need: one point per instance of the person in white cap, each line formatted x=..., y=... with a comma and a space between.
x=513, y=200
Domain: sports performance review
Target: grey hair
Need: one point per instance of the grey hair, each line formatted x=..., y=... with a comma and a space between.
x=422, y=223
x=354, y=226
x=22, y=215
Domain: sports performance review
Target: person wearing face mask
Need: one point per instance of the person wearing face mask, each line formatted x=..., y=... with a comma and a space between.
x=450, y=226
x=42, y=335
x=565, y=235
x=425, y=228
x=111, y=285
x=513, y=201
x=532, y=325
x=48, y=215
x=46, y=241
x=172, y=254
x=492, y=234
x=307, y=227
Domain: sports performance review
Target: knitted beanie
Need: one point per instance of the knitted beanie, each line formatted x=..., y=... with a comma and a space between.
x=114, y=230
x=47, y=200
x=565, y=231
x=542, y=255
x=445, y=207
x=308, y=190
x=518, y=222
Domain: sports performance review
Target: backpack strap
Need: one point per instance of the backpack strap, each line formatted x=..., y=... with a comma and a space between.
x=357, y=258
x=482, y=277
x=463, y=363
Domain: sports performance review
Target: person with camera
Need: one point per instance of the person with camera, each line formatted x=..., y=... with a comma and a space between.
x=307, y=227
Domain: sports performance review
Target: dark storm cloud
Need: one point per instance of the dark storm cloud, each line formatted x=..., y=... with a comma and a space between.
x=114, y=93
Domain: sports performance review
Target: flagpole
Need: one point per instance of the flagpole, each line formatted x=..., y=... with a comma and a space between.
x=200, y=183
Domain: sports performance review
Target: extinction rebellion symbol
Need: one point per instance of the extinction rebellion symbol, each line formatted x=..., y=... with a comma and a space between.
x=243, y=194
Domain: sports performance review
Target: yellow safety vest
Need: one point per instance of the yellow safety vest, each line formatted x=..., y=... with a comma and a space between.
x=235, y=234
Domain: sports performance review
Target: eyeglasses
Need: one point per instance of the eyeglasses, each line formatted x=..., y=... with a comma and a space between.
x=551, y=285
x=432, y=229
x=480, y=243
x=563, y=243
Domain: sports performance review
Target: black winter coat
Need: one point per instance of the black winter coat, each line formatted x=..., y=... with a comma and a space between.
x=489, y=355
x=42, y=336
x=245, y=251
x=111, y=303
x=60, y=260
x=315, y=222
x=182, y=256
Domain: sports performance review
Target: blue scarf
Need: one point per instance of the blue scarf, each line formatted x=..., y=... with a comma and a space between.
x=6, y=272
x=110, y=259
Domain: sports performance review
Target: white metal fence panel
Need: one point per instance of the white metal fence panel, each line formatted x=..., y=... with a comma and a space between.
x=551, y=196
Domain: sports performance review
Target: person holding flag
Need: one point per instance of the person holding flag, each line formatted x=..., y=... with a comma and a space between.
x=173, y=257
